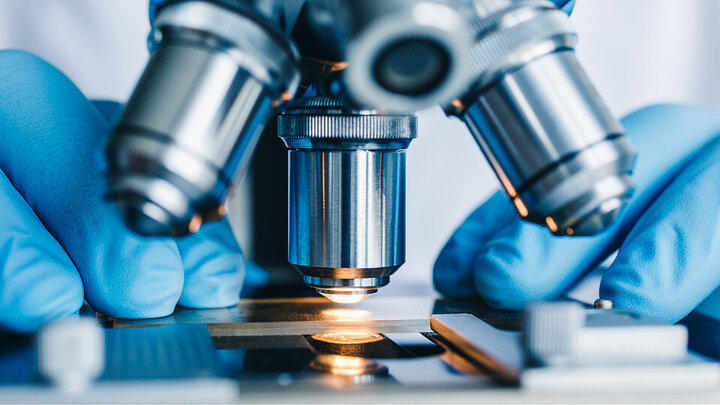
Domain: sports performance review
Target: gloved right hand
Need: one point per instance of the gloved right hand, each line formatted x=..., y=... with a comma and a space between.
x=668, y=237
x=60, y=242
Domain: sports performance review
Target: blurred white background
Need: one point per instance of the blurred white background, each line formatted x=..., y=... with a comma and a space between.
x=638, y=52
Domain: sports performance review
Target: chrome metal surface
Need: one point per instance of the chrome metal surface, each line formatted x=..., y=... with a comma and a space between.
x=347, y=209
x=192, y=123
x=555, y=147
x=608, y=335
x=219, y=71
x=498, y=351
x=354, y=286
x=304, y=316
x=347, y=194
x=603, y=304
x=401, y=55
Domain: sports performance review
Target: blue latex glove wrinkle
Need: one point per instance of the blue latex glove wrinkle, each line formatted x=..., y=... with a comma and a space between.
x=55, y=220
x=667, y=263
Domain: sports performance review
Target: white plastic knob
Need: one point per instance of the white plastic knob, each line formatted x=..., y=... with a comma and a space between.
x=71, y=353
x=551, y=330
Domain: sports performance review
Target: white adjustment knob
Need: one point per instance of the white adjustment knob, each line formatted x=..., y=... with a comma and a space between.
x=71, y=353
x=565, y=333
x=551, y=331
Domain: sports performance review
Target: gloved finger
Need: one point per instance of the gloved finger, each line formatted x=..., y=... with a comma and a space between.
x=52, y=136
x=670, y=261
x=214, y=267
x=529, y=264
x=565, y=5
x=153, y=8
x=524, y=262
x=38, y=282
x=109, y=110
x=452, y=272
x=255, y=278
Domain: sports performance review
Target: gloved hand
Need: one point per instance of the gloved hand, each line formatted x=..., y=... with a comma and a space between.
x=565, y=5
x=668, y=237
x=59, y=241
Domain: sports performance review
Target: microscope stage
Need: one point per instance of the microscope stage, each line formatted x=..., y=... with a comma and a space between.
x=304, y=316
x=313, y=350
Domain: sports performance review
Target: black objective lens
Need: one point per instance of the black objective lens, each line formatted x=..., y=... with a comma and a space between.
x=413, y=66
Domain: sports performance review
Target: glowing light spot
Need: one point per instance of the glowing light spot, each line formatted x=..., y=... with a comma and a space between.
x=457, y=104
x=509, y=189
x=521, y=208
x=348, y=338
x=551, y=224
x=338, y=66
x=195, y=223
x=343, y=365
x=344, y=314
x=345, y=298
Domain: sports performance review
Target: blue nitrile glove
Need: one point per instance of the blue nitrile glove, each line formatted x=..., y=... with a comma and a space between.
x=565, y=5
x=60, y=242
x=668, y=237
x=283, y=12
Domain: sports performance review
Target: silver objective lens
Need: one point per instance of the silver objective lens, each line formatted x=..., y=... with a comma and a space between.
x=214, y=79
x=347, y=195
x=401, y=55
x=558, y=152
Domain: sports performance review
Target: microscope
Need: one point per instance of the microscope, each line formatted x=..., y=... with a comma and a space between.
x=344, y=78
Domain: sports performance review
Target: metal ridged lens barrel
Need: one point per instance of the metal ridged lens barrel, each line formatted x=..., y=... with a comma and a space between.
x=346, y=195
x=215, y=77
x=559, y=153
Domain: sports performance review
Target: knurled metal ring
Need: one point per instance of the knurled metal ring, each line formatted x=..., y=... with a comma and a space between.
x=280, y=59
x=506, y=39
x=325, y=119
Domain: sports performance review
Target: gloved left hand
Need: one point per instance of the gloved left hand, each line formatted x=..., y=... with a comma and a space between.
x=60, y=241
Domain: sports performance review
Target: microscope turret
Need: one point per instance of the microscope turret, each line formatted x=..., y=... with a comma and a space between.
x=221, y=69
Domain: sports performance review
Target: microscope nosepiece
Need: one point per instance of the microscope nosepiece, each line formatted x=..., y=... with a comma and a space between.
x=347, y=195
x=558, y=152
x=215, y=77
x=348, y=290
x=400, y=55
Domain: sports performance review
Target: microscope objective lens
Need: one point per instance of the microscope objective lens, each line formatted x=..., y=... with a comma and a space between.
x=507, y=69
x=344, y=298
